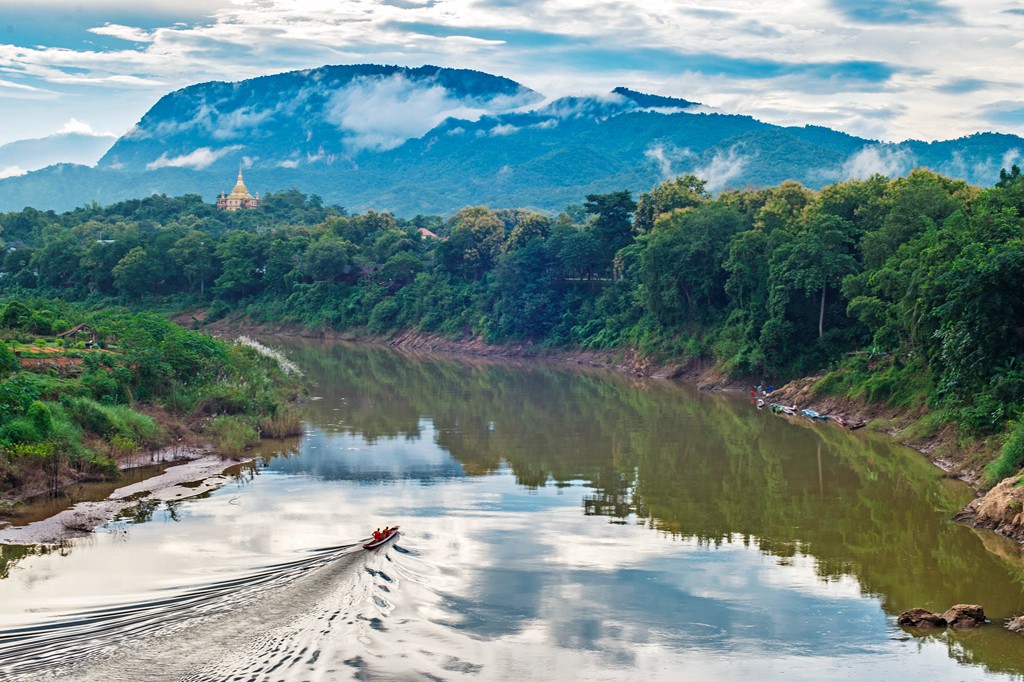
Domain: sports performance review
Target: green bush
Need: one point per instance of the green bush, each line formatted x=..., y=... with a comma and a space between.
x=39, y=414
x=20, y=430
x=89, y=415
x=134, y=426
x=232, y=436
x=16, y=394
x=1011, y=456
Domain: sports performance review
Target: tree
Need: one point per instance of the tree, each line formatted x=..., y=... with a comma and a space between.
x=815, y=260
x=683, y=192
x=329, y=259
x=242, y=257
x=681, y=262
x=194, y=255
x=610, y=226
x=134, y=274
x=476, y=237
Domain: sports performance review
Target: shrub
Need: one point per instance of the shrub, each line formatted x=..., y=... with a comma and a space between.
x=39, y=414
x=282, y=425
x=232, y=436
x=89, y=415
x=1011, y=456
x=16, y=394
x=20, y=430
x=132, y=426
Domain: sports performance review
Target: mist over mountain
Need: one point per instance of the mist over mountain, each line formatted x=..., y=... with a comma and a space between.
x=22, y=156
x=432, y=140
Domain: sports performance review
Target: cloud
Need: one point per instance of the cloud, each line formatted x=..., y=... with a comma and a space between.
x=129, y=33
x=382, y=113
x=913, y=12
x=963, y=86
x=11, y=171
x=1005, y=113
x=888, y=160
x=665, y=157
x=198, y=159
x=805, y=56
x=76, y=127
x=503, y=129
x=724, y=167
x=983, y=171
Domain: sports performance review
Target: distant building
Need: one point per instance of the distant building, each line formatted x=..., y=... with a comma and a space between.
x=239, y=197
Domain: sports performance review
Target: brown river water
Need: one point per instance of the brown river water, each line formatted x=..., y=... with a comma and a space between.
x=557, y=524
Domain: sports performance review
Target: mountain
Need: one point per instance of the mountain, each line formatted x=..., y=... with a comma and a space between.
x=432, y=140
x=17, y=158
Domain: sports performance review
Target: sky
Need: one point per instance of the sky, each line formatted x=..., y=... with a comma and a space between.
x=906, y=69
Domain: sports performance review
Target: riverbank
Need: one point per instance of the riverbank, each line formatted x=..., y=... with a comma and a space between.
x=996, y=509
x=194, y=471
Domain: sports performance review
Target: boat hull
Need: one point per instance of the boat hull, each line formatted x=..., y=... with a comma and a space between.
x=374, y=544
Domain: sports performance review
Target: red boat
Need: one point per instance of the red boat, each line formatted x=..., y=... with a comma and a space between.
x=386, y=537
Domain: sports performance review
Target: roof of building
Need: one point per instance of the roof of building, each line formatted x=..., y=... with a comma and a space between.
x=240, y=191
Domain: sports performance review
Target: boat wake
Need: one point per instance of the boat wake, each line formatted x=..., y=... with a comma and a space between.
x=69, y=645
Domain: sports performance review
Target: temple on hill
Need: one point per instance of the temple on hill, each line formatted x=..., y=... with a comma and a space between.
x=239, y=197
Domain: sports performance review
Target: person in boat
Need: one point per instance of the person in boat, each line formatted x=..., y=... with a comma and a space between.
x=377, y=534
x=386, y=531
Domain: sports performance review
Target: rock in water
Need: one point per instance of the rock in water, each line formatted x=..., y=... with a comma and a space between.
x=964, y=616
x=921, y=618
x=1016, y=624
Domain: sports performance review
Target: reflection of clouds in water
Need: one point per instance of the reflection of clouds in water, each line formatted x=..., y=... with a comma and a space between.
x=342, y=456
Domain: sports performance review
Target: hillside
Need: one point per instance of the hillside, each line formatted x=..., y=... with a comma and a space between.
x=431, y=140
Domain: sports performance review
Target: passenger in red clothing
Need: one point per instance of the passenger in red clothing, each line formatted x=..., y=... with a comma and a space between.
x=377, y=534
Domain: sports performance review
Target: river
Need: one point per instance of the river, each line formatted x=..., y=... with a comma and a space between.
x=556, y=524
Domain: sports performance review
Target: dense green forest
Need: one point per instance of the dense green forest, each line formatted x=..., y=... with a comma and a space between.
x=907, y=291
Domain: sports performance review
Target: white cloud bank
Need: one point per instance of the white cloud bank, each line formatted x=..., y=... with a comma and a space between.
x=198, y=159
x=381, y=113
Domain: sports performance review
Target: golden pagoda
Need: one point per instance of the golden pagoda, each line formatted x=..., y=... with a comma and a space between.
x=239, y=197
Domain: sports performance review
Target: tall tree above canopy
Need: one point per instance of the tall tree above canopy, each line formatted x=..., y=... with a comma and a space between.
x=476, y=237
x=611, y=225
x=683, y=192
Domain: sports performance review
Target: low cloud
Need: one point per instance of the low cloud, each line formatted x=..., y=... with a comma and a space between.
x=11, y=171
x=382, y=113
x=888, y=160
x=76, y=127
x=198, y=160
x=724, y=167
x=666, y=157
x=504, y=129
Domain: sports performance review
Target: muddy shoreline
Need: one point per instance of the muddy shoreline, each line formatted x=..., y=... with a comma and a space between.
x=193, y=471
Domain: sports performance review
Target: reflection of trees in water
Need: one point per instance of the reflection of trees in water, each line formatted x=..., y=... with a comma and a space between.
x=701, y=466
x=10, y=555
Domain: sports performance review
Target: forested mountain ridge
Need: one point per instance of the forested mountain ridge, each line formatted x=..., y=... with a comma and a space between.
x=432, y=140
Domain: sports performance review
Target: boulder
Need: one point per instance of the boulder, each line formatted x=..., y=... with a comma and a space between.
x=1016, y=625
x=964, y=616
x=921, y=618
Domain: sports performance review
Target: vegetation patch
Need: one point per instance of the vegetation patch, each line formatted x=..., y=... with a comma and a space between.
x=59, y=425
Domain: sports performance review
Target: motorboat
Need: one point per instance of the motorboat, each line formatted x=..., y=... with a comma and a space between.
x=387, y=536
